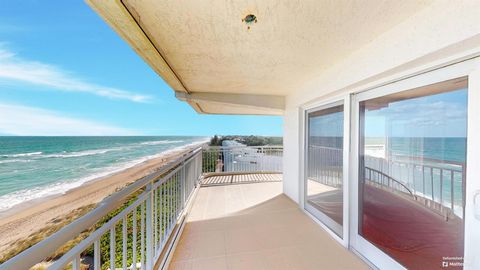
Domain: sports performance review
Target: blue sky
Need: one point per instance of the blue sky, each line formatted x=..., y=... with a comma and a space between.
x=440, y=115
x=63, y=71
x=328, y=125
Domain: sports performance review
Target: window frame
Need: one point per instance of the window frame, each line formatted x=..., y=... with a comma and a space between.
x=305, y=110
x=437, y=71
x=463, y=69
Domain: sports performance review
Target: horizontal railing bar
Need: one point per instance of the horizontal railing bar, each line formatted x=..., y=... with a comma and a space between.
x=325, y=147
x=391, y=178
x=35, y=254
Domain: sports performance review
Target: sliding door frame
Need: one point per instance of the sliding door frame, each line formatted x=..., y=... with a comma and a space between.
x=442, y=70
x=304, y=131
x=459, y=70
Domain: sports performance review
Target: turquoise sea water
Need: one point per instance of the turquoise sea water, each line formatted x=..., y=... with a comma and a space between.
x=35, y=167
x=442, y=148
x=448, y=149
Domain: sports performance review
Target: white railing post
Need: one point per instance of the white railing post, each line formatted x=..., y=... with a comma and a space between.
x=184, y=184
x=96, y=255
x=76, y=262
x=112, y=247
x=193, y=165
x=199, y=162
x=149, y=228
x=134, y=241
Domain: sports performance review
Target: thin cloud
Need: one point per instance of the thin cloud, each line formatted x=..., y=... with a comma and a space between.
x=16, y=69
x=421, y=117
x=424, y=113
x=31, y=121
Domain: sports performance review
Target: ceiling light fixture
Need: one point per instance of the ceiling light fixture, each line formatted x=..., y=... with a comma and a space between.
x=249, y=19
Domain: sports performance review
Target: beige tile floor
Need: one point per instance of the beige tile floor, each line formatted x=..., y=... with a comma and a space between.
x=255, y=226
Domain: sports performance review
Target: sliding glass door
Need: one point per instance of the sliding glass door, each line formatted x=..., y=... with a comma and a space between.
x=412, y=175
x=324, y=165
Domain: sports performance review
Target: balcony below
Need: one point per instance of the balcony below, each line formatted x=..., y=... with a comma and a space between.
x=255, y=226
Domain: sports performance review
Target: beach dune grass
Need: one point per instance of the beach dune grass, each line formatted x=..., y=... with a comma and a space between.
x=54, y=226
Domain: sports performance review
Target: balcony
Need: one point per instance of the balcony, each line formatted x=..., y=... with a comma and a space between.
x=212, y=208
x=224, y=208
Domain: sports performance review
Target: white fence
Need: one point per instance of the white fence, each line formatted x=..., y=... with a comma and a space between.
x=243, y=159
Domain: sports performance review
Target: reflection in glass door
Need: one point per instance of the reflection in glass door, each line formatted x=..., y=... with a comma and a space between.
x=412, y=160
x=324, y=166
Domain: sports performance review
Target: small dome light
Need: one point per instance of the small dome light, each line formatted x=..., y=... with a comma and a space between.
x=250, y=18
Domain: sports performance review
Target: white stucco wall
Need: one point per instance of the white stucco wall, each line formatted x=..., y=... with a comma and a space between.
x=291, y=153
x=446, y=31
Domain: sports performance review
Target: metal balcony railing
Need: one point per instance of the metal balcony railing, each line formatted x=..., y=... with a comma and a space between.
x=135, y=237
x=325, y=165
x=382, y=179
x=135, y=227
x=438, y=184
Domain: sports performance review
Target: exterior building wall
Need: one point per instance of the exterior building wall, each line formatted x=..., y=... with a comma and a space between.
x=291, y=147
x=445, y=30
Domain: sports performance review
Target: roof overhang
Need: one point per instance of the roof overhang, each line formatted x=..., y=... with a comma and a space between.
x=220, y=64
x=225, y=103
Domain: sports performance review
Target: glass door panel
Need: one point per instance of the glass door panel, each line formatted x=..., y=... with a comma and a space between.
x=412, y=160
x=324, y=166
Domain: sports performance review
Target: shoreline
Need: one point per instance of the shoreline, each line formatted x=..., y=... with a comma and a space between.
x=58, y=188
x=26, y=218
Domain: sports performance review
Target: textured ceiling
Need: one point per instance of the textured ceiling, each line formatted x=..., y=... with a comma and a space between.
x=210, y=49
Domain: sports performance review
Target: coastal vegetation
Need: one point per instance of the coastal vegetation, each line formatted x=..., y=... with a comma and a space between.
x=54, y=225
x=247, y=140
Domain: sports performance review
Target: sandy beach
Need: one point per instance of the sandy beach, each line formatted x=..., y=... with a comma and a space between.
x=29, y=217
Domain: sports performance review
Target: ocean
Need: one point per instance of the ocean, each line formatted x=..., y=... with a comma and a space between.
x=35, y=167
x=441, y=148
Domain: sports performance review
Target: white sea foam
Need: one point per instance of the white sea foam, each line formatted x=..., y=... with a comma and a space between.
x=23, y=154
x=82, y=153
x=7, y=201
x=15, y=160
x=160, y=142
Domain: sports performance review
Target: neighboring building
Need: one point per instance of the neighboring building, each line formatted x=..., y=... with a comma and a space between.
x=239, y=157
